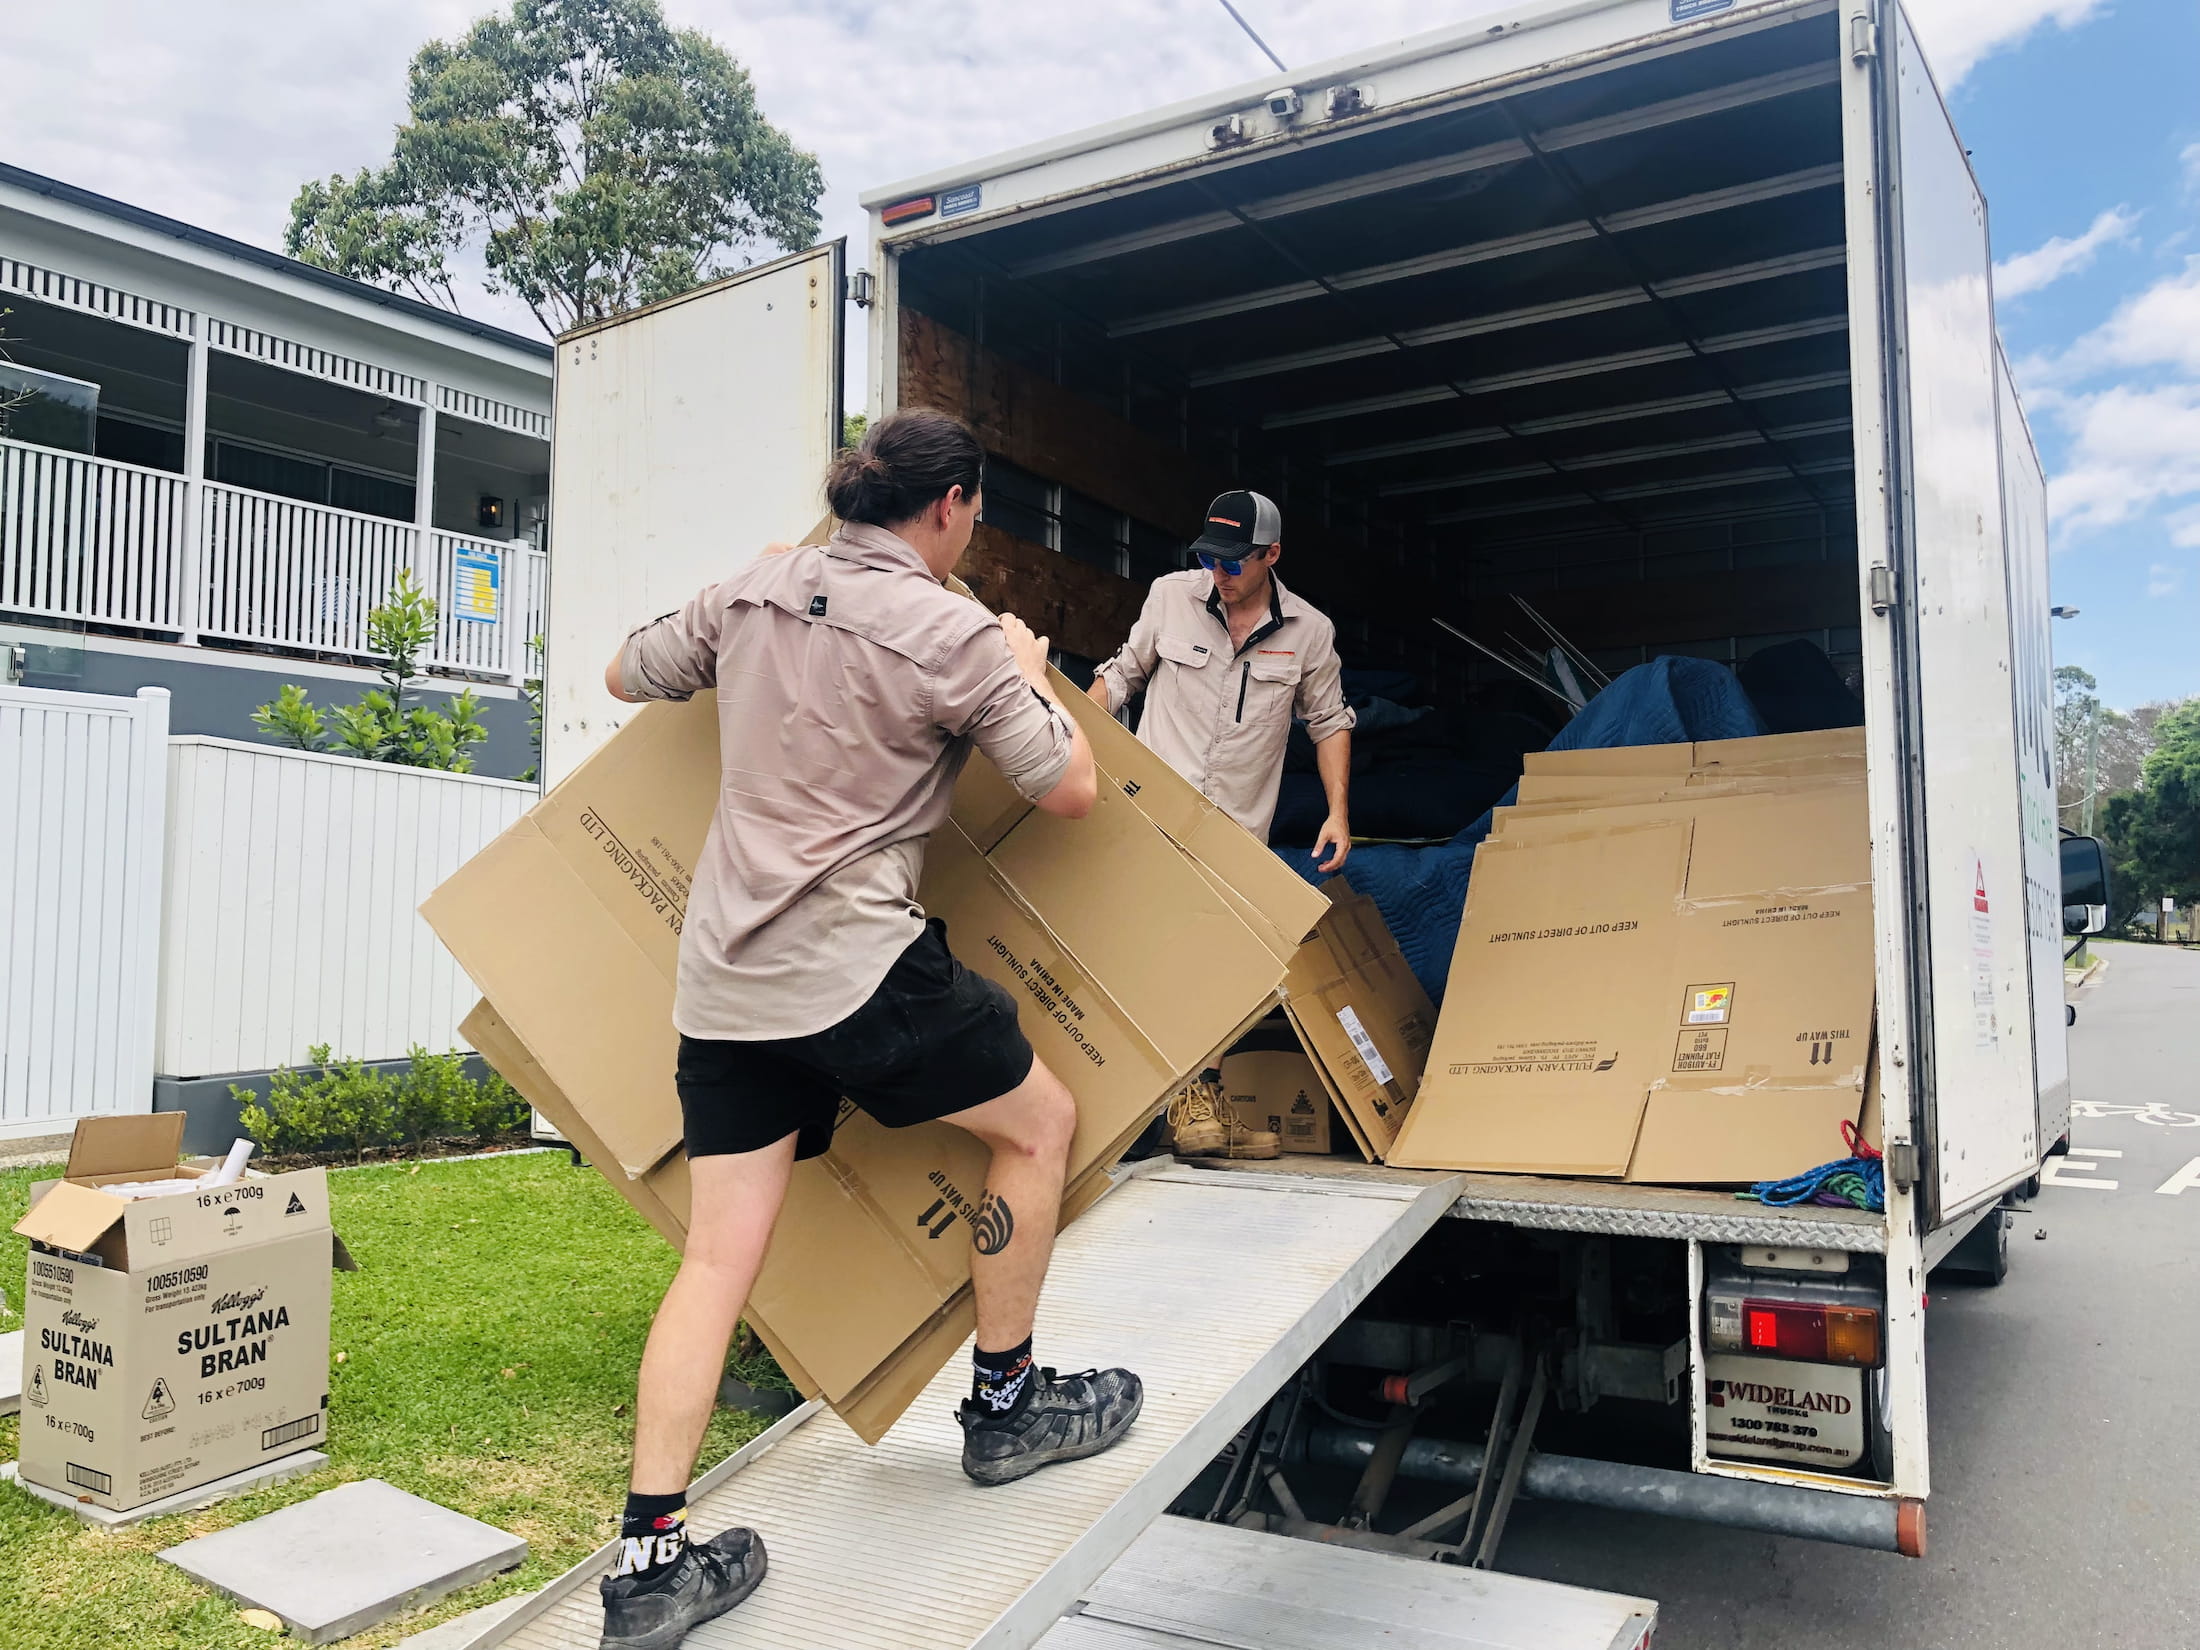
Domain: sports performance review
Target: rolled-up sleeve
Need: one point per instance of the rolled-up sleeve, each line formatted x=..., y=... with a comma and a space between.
x=1321, y=688
x=978, y=693
x=1132, y=666
x=676, y=656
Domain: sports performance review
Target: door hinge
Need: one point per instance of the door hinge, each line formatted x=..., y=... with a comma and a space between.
x=1882, y=588
x=1902, y=1164
x=862, y=289
x=1863, y=39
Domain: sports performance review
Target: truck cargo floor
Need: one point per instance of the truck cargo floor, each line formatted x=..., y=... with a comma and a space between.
x=1214, y=1288
x=1185, y=1584
x=1614, y=1208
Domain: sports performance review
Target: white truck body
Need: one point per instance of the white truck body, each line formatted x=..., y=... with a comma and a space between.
x=690, y=434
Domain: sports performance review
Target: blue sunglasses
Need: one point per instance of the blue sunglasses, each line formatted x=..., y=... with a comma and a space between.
x=1228, y=566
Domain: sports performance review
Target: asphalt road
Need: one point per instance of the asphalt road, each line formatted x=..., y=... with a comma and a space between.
x=2065, y=1511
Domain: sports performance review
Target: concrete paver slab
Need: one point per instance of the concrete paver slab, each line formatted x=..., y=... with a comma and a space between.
x=221, y=1489
x=348, y=1558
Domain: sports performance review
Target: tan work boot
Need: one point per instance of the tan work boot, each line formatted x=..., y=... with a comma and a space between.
x=1204, y=1124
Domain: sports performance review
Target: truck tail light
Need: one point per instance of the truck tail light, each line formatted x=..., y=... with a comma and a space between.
x=920, y=206
x=1812, y=1334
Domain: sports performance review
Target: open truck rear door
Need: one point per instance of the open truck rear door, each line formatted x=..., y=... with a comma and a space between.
x=733, y=392
x=1947, y=595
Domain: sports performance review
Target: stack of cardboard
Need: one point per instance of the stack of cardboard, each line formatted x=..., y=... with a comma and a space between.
x=1139, y=943
x=1665, y=970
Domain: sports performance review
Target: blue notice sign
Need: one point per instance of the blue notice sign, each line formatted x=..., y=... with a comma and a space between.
x=1686, y=10
x=476, y=585
x=955, y=202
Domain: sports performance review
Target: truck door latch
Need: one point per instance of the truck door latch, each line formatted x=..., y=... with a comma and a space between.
x=1863, y=39
x=1882, y=588
x=1902, y=1164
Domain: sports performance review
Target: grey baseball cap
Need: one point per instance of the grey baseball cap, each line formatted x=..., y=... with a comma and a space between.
x=1240, y=524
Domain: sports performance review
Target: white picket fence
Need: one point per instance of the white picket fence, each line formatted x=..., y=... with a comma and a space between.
x=291, y=907
x=83, y=790
x=91, y=540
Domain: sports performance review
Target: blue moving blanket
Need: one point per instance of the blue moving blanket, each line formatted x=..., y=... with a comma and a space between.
x=1422, y=892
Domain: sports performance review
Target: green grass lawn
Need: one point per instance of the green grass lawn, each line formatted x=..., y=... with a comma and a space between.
x=488, y=1344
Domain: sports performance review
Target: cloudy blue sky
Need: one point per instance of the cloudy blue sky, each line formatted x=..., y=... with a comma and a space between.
x=2083, y=116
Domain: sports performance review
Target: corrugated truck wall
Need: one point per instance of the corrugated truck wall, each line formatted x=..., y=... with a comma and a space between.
x=81, y=796
x=294, y=882
x=1054, y=432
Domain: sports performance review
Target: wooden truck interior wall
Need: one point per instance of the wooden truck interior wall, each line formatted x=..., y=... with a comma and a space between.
x=1585, y=341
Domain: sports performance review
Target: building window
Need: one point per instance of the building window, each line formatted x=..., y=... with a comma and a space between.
x=47, y=409
x=127, y=441
x=311, y=480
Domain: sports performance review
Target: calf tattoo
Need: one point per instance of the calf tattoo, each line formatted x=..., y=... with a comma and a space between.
x=992, y=1226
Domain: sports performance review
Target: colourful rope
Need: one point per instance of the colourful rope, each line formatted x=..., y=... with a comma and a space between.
x=1858, y=1181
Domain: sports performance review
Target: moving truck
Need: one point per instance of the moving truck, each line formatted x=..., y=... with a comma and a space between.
x=1677, y=315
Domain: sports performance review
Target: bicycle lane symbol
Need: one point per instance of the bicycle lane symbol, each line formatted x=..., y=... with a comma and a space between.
x=2081, y=1167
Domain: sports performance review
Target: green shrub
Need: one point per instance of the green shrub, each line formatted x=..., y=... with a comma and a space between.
x=381, y=727
x=330, y=1104
x=434, y=1096
x=499, y=1109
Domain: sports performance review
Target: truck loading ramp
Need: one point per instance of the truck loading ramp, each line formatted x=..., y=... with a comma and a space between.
x=1214, y=1288
x=1185, y=1585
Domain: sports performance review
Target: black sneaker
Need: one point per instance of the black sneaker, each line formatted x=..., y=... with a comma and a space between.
x=710, y=1578
x=1059, y=1418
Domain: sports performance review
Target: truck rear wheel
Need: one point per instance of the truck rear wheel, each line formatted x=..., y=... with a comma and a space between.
x=1983, y=1256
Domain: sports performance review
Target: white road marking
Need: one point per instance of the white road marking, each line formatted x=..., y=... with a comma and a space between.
x=2093, y=1151
x=2184, y=1180
x=2055, y=1169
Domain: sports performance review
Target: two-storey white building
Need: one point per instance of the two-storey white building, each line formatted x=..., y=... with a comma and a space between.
x=220, y=458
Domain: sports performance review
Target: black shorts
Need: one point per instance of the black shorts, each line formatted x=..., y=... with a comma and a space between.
x=933, y=1039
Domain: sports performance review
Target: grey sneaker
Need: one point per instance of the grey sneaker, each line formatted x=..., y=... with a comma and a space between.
x=710, y=1579
x=1061, y=1418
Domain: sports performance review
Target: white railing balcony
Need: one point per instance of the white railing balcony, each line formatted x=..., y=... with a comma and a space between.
x=93, y=542
x=489, y=605
x=294, y=575
x=90, y=541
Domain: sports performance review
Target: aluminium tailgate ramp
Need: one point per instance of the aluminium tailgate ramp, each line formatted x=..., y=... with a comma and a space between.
x=1185, y=1585
x=1214, y=1288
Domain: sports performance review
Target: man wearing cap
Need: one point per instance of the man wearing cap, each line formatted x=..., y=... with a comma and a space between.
x=1228, y=657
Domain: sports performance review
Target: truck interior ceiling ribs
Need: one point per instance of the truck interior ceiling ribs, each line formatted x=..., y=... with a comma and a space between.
x=1585, y=339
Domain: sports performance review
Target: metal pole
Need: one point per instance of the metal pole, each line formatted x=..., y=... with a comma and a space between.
x=191, y=598
x=2092, y=769
x=423, y=558
x=1893, y=1526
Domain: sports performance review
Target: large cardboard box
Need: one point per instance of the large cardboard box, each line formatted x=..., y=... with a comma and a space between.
x=1138, y=942
x=1363, y=1017
x=1677, y=992
x=169, y=1341
x=1281, y=1091
x=1766, y=750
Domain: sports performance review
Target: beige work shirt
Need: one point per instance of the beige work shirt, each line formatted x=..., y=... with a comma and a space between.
x=1220, y=716
x=851, y=687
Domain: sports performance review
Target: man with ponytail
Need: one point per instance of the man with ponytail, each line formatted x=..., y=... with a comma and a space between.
x=851, y=687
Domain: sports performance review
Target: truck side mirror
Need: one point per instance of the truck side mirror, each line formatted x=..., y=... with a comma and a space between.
x=2084, y=885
